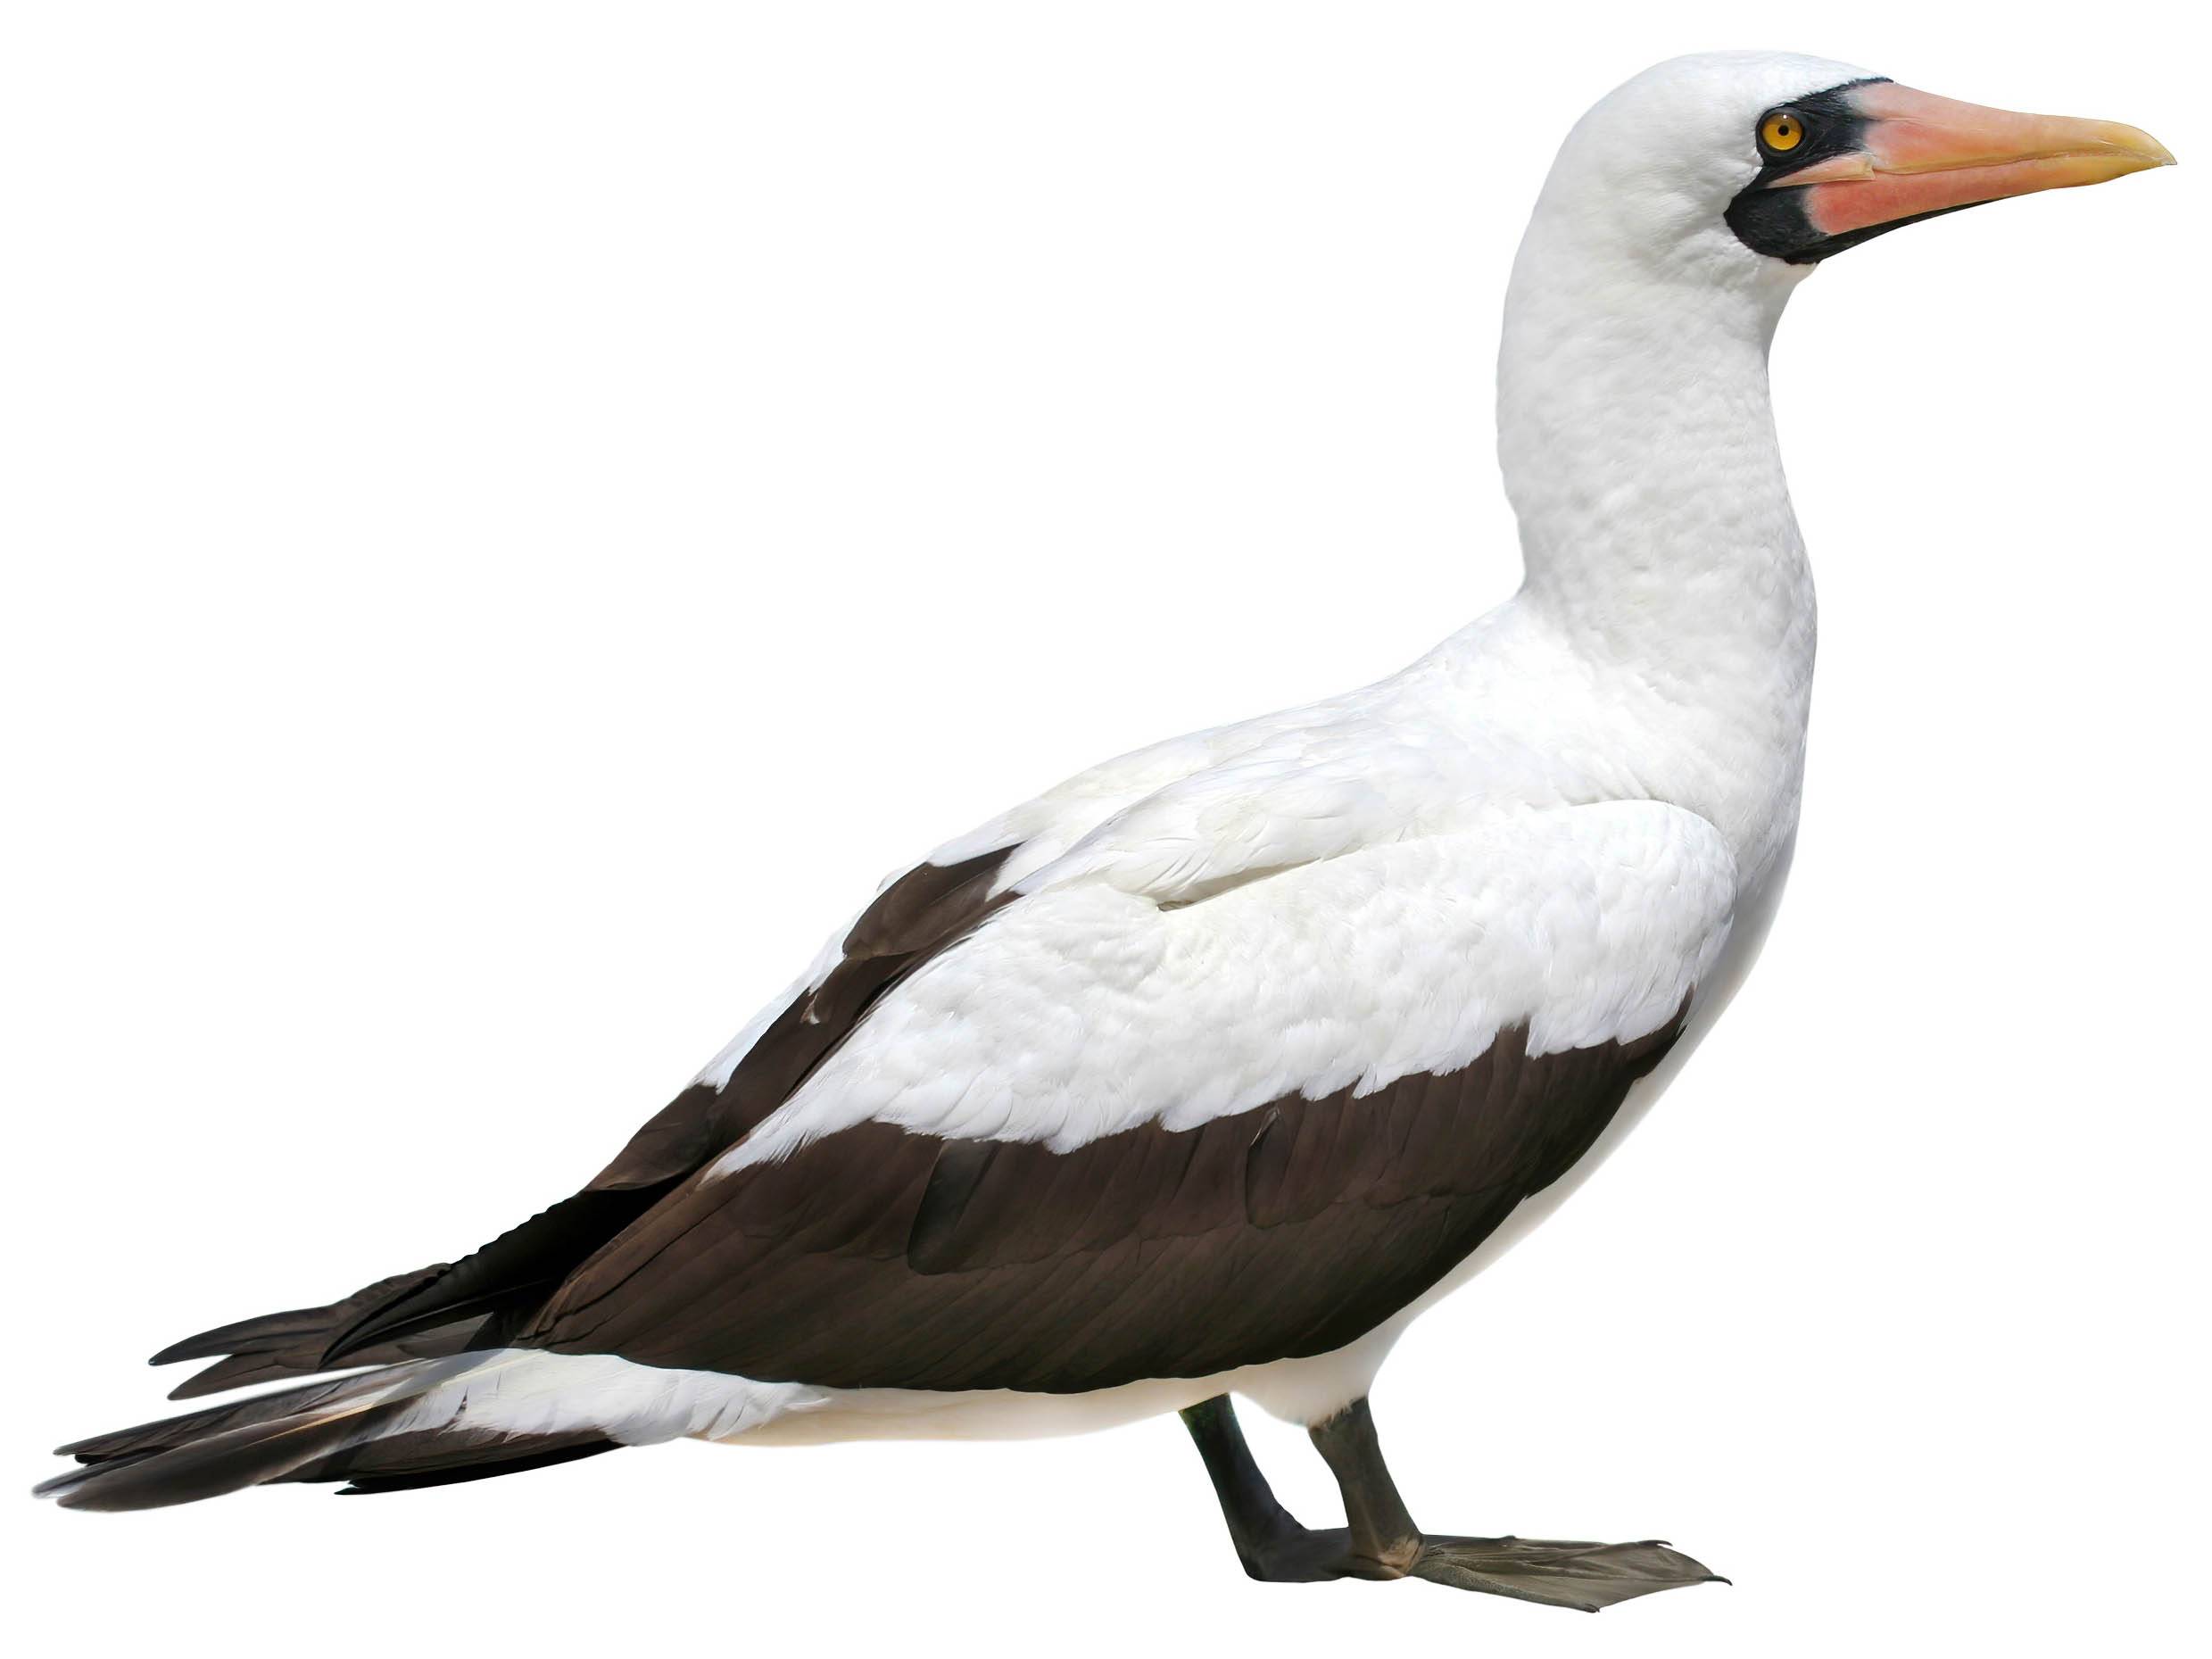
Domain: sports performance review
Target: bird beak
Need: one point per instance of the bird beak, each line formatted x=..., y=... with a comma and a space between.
x=1926, y=155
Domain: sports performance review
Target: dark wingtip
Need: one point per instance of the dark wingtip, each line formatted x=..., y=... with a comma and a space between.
x=224, y=1339
x=58, y=1487
x=279, y=1334
x=233, y=1373
x=370, y=1484
x=191, y=1347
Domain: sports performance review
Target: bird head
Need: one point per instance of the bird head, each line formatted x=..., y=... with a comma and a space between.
x=1747, y=161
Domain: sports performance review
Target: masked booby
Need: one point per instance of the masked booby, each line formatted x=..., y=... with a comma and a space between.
x=1207, y=1072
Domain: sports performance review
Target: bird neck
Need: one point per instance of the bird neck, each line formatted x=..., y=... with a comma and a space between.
x=1637, y=443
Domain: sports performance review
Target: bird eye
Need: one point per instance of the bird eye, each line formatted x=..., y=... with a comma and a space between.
x=1782, y=130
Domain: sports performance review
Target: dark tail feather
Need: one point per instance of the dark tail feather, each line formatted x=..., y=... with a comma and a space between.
x=407, y=1461
x=226, y=1460
x=170, y=1433
x=385, y=1431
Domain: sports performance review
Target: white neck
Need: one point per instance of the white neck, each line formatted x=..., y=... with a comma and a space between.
x=1637, y=443
x=1638, y=448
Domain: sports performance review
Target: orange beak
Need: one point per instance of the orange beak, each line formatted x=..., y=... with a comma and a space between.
x=1925, y=154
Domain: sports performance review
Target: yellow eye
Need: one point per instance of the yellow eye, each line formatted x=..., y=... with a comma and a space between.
x=1781, y=130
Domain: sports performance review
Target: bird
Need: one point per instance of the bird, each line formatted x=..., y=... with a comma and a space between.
x=1201, y=1075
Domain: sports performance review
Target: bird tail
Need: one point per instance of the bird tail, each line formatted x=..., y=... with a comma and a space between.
x=422, y=1423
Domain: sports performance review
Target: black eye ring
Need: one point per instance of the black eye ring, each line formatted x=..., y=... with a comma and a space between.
x=1781, y=131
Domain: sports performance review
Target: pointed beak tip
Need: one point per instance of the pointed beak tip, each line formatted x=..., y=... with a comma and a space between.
x=2134, y=142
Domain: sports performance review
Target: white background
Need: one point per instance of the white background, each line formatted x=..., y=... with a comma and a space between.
x=517, y=516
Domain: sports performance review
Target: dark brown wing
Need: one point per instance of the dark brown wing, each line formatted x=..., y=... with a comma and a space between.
x=874, y=1257
x=474, y=1302
x=928, y=908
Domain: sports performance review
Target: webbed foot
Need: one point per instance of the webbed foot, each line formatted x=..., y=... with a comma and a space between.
x=1558, y=1573
x=1381, y=1541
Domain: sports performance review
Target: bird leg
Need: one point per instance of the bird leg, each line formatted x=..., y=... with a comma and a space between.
x=1379, y=1539
x=1268, y=1539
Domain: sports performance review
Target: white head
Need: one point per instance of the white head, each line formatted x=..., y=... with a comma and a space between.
x=1634, y=428
x=1717, y=168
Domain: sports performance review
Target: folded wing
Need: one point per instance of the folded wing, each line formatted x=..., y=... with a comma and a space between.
x=1099, y=1139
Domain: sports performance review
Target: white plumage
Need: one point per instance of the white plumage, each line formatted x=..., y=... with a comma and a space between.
x=1550, y=819
x=1498, y=897
x=1086, y=1010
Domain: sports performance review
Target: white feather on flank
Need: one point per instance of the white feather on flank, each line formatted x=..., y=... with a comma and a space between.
x=529, y=1392
x=526, y=1391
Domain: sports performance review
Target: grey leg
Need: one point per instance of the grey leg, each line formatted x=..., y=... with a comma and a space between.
x=1382, y=1532
x=1268, y=1539
x=1379, y=1539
